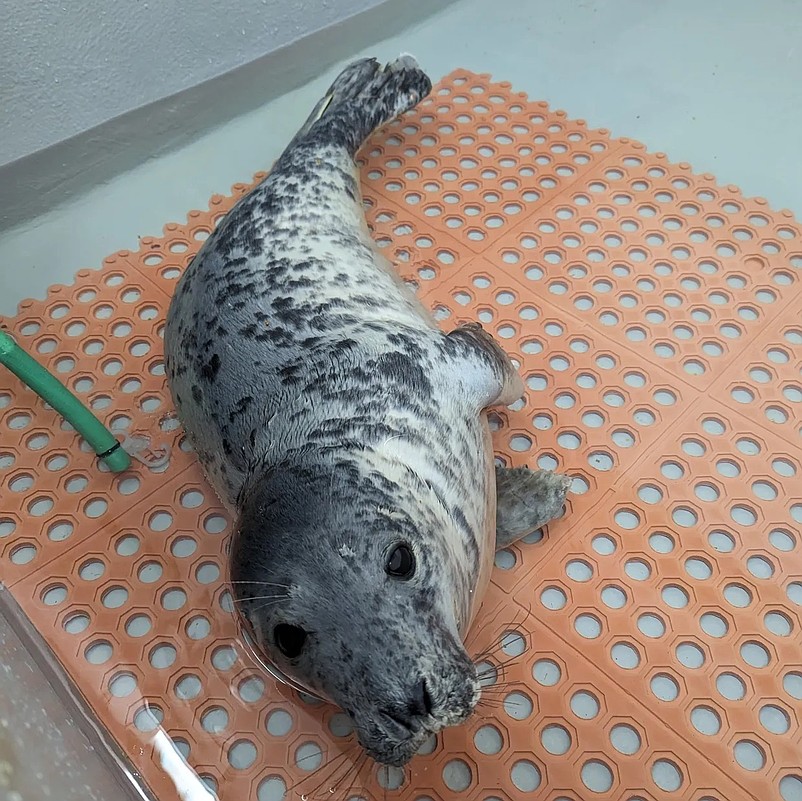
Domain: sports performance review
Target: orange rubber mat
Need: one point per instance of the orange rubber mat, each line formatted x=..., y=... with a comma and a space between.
x=647, y=646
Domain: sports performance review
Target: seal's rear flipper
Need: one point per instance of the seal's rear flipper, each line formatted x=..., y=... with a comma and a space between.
x=363, y=97
x=526, y=500
x=482, y=368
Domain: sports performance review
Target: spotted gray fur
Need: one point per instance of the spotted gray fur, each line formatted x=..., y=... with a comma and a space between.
x=335, y=420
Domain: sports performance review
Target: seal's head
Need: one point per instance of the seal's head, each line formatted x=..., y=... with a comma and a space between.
x=345, y=591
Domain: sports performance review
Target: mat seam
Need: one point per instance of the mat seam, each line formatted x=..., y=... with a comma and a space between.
x=749, y=339
x=641, y=704
x=94, y=533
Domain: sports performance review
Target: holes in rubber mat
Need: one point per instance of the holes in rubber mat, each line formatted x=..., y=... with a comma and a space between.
x=242, y=754
x=667, y=775
x=273, y=788
x=148, y=718
x=625, y=739
x=122, y=685
x=623, y=288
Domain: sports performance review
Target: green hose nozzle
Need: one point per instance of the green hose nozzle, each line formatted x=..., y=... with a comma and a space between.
x=52, y=391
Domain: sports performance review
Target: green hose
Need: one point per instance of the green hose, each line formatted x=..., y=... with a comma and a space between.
x=52, y=391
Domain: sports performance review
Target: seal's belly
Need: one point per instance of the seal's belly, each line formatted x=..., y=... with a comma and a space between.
x=457, y=463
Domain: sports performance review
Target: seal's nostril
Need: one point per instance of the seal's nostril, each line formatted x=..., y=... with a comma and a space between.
x=427, y=699
x=400, y=718
x=420, y=702
x=417, y=707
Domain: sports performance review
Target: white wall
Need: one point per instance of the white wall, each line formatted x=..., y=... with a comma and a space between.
x=69, y=65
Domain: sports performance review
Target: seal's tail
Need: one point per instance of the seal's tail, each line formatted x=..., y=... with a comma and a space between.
x=363, y=97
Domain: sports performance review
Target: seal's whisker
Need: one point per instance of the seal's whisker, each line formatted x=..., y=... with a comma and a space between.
x=262, y=584
x=506, y=630
x=494, y=703
x=357, y=768
x=360, y=767
x=498, y=670
x=496, y=678
x=474, y=634
x=336, y=759
x=503, y=686
x=499, y=685
x=491, y=649
x=265, y=605
x=259, y=598
x=313, y=755
x=493, y=689
x=516, y=623
x=487, y=692
x=334, y=765
x=499, y=664
x=350, y=769
x=499, y=703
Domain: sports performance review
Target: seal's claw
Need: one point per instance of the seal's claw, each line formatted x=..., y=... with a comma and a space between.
x=526, y=500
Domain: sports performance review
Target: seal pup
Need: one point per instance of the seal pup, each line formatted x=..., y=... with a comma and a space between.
x=348, y=435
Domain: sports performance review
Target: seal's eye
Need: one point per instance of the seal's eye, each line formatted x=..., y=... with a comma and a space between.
x=401, y=562
x=289, y=639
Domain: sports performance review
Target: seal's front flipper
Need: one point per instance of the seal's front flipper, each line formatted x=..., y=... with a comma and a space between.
x=526, y=500
x=482, y=368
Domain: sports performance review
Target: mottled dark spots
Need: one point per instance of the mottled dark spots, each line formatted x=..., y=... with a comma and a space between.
x=240, y=408
x=368, y=301
x=407, y=344
x=399, y=368
x=461, y=520
x=300, y=282
x=294, y=318
x=197, y=395
x=292, y=374
x=210, y=369
x=349, y=184
x=423, y=601
x=278, y=336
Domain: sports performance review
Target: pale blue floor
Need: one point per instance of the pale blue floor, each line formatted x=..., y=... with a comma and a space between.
x=715, y=83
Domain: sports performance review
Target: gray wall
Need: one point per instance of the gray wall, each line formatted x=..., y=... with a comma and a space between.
x=69, y=65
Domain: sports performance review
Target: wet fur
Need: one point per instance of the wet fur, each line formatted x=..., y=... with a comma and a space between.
x=334, y=419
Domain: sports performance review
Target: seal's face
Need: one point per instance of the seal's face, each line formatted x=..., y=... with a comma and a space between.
x=348, y=600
